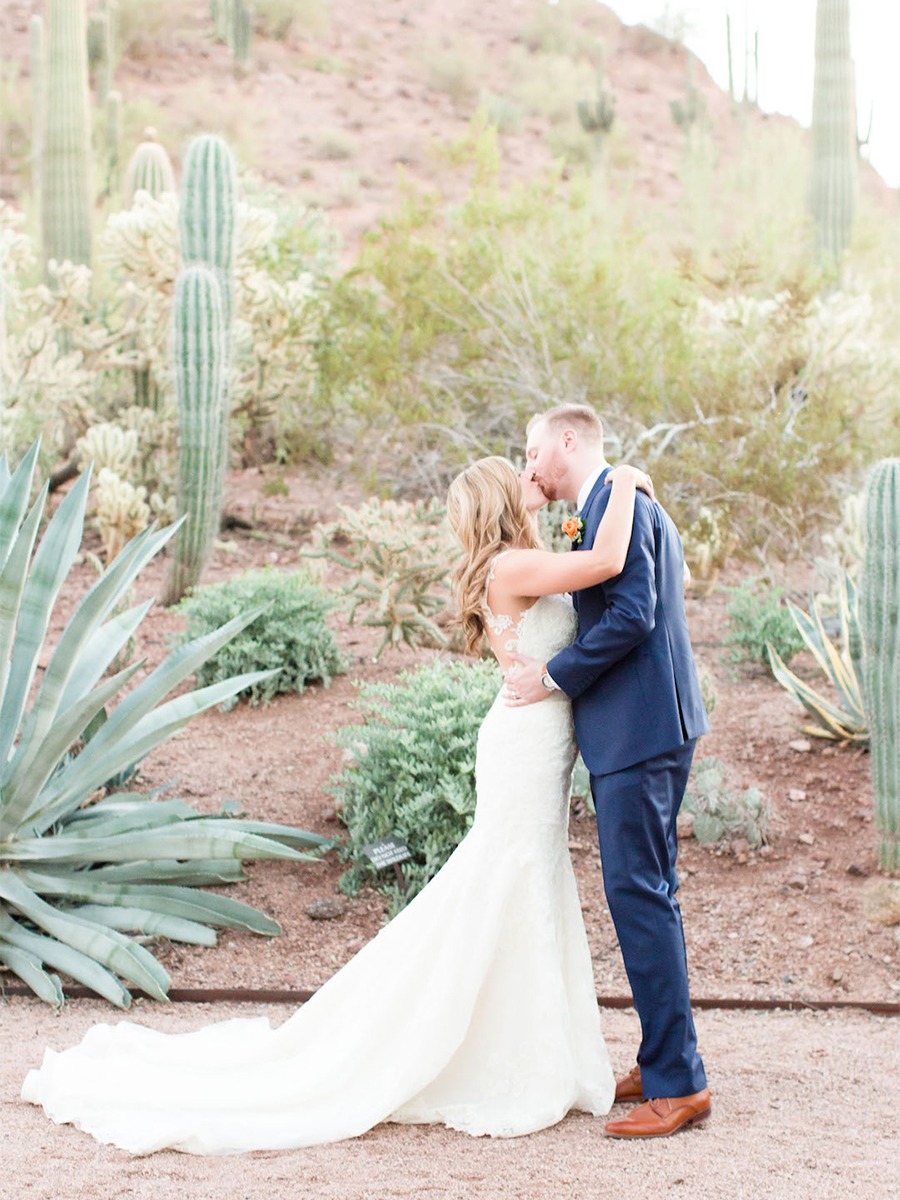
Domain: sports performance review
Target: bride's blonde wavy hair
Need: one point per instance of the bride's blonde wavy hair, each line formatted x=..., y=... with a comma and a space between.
x=486, y=512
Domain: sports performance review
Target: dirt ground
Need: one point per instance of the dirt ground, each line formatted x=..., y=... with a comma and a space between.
x=806, y=1096
x=803, y=1106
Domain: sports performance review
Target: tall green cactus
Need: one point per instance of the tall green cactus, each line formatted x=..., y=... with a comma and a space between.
x=149, y=169
x=207, y=213
x=597, y=116
x=199, y=356
x=67, y=201
x=241, y=36
x=833, y=181
x=112, y=128
x=38, y=103
x=879, y=594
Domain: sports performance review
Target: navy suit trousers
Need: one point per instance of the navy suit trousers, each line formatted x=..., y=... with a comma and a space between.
x=636, y=811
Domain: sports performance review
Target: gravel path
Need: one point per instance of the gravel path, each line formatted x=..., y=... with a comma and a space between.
x=805, y=1106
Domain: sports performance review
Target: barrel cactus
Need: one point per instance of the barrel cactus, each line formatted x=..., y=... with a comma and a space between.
x=66, y=200
x=833, y=183
x=200, y=358
x=880, y=622
x=149, y=169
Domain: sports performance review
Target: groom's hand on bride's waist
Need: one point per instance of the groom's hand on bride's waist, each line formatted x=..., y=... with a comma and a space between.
x=523, y=682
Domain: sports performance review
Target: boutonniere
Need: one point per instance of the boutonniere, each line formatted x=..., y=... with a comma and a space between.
x=573, y=528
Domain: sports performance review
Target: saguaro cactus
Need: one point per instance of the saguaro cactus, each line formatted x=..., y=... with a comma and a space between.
x=199, y=352
x=66, y=202
x=597, y=116
x=149, y=169
x=833, y=182
x=38, y=103
x=879, y=613
x=207, y=212
x=242, y=36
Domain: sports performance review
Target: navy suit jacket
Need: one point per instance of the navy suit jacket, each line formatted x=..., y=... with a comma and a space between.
x=630, y=672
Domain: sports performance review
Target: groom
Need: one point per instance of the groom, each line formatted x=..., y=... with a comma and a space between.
x=638, y=712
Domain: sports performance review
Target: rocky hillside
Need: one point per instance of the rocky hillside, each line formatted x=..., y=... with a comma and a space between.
x=354, y=93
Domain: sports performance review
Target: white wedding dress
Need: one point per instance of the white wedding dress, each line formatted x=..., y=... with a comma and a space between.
x=474, y=1007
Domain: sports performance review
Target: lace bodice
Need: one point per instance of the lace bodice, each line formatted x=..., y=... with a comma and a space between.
x=540, y=632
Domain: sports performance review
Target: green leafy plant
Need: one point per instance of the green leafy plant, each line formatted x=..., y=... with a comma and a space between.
x=721, y=814
x=757, y=621
x=289, y=640
x=79, y=869
x=400, y=554
x=412, y=770
x=844, y=721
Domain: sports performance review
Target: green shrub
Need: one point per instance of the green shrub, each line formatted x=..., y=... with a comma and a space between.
x=412, y=773
x=291, y=636
x=758, y=620
x=721, y=814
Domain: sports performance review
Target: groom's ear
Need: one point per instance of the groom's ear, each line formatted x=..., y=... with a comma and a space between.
x=569, y=439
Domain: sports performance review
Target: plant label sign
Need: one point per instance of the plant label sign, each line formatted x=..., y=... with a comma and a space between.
x=387, y=852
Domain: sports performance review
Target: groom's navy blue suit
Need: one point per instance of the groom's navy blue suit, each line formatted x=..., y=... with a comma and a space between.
x=638, y=712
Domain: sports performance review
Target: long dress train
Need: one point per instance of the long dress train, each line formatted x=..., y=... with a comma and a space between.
x=474, y=1007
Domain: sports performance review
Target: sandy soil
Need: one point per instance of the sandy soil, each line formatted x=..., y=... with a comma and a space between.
x=804, y=1106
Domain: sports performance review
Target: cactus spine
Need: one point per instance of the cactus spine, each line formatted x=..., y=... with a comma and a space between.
x=880, y=623
x=66, y=202
x=198, y=346
x=149, y=169
x=832, y=189
x=38, y=104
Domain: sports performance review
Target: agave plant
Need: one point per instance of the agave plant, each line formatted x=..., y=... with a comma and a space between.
x=845, y=721
x=81, y=869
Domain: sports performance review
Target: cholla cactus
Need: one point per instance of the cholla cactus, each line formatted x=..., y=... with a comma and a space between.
x=122, y=511
x=400, y=554
x=108, y=447
x=706, y=547
x=880, y=622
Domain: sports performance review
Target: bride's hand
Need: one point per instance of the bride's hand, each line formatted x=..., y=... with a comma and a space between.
x=641, y=479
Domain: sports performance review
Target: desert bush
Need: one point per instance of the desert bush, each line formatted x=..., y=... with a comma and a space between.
x=456, y=70
x=411, y=772
x=400, y=556
x=758, y=619
x=276, y=18
x=720, y=813
x=461, y=321
x=501, y=111
x=290, y=639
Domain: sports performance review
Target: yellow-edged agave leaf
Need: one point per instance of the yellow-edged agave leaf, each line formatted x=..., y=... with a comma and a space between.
x=833, y=721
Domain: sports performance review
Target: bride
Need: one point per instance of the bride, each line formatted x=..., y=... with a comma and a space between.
x=475, y=1006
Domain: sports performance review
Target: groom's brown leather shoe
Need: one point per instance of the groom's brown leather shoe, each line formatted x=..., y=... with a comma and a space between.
x=660, y=1118
x=629, y=1086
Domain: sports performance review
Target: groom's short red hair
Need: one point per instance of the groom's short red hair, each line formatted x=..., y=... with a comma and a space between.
x=580, y=417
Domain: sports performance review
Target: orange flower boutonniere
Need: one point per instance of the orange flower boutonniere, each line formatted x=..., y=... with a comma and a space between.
x=573, y=528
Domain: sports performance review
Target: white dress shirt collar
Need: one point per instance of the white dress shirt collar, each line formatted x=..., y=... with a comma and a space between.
x=588, y=486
